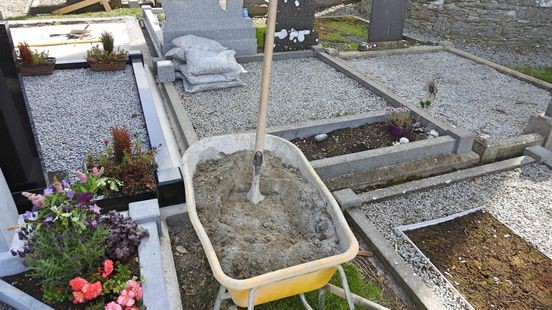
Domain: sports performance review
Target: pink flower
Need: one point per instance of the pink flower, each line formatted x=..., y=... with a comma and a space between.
x=95, y=172
x=81, y=176
x=135, y=287
x=132, y=308
x=38, y=201
x=113, y=306
x=126, y=298
x=77, y=283
x=107, y=268
x=106, y=142
x=92, y=290
x=79, y=297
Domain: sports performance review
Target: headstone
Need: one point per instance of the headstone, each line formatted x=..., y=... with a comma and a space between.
x=221, y=21
x=19, y=158
x=387, y=20
x=8, y=217
x=295, y=25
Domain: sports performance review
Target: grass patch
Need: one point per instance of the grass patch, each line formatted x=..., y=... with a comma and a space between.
x=260, y=30
x=357, y=284
x=344, y=33
x=134, y=12
x=544, y=74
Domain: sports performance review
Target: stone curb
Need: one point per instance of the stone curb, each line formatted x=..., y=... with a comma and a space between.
x=153, y=29
x=445, y=179
x=490, y=151
x=19, y=299
x=542, y=125
x=410, y=50
x=418, y=291
x=539, y=153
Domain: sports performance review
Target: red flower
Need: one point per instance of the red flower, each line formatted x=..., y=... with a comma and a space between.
x=92, y=290
x=79, y=297
x=106, y=142
x=77, y=283
x=107, y=268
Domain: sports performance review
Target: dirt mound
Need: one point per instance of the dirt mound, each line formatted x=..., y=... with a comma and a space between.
x=291, y=226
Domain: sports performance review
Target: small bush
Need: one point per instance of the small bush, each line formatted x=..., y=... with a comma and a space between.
x=121, y=143
x=25, y=53
x=107, y=42
x=398, y=118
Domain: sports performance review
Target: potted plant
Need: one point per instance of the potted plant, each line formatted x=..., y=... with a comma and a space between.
x=106, y=58
x=77, y=256
x=399, y=121
x=33, y=62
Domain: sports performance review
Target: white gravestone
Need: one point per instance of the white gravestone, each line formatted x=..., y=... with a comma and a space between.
x=8, y=215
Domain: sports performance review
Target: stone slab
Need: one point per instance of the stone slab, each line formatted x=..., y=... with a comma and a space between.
x=418, y=291
x=9, y=213
x=146, y=211
x=508, y=148
x=539, y=153
x=165, y=71
x=387, y=20
x=347, y=198
x=295, y=26
x=542, y=125
x=445, y=179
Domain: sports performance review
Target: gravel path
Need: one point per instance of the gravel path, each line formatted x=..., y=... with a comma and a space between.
x=301, y=90
x=74, y=111
x=519, y=198
x=471, y=95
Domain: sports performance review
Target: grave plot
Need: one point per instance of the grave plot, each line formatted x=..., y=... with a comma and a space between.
x=302, y=89
x=471, y=95
x=489, y=264
x=517, y=198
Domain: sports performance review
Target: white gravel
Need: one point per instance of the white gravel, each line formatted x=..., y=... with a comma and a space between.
x=519, y=198
x=74, y=110
x=301, y=90
x=471, y=95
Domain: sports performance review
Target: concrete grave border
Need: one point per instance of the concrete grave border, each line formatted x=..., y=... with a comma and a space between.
x=151, y=258
x=488, y=150
x=349, y=201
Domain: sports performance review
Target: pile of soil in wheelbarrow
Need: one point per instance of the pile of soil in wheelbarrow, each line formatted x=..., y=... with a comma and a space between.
x=490, y=265
x=289, y=227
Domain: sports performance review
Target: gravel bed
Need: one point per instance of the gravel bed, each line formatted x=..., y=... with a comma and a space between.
x=301, y=90
x=474, y=96
x=74, y=110
x=518, y=198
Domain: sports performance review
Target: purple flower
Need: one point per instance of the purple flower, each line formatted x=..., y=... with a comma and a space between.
x=49, y=219
x=95, y=208
x=84, y=198
x=65, y=184
x=70, y=194
x=94, y=223
x=48, y=191
x=14, y=253
x=28, y=215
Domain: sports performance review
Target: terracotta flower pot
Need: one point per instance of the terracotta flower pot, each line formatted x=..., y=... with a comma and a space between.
x=397, y=131
x=46, y=68
x=107, y=66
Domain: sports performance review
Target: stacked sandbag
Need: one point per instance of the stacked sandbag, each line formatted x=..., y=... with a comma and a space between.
x=204, y=64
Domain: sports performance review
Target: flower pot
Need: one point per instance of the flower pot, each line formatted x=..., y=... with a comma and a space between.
x=46, y=68
x=397, y=131
x=107, y=66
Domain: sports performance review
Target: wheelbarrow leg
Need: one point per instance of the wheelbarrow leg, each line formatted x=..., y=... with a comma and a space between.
x=345, y=285
x=251, y=302
x=305, y=302
x=321, y=299
x=220, y=297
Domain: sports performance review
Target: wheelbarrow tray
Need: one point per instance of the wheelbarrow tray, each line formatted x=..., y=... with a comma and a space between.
x=281, y=283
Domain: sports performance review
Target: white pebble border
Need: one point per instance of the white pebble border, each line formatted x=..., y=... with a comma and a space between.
x=301, y=90
x=471, y=95
x=519, y=198
x=74, y=110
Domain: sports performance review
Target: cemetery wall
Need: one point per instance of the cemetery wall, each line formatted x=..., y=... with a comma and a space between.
x=518, y=25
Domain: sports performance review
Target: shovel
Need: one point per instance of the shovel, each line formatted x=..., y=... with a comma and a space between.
x=254, y=195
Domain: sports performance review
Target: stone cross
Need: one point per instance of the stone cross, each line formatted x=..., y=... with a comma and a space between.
x=387, y=20
x=8, y=215
x=295, y=25
x=219, y=20
x=21, y=164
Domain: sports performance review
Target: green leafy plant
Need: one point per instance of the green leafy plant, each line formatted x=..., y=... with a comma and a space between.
x=118, y=281
x=97, y=55
x=29, y=57
x=107, y=42
x=131, y=164
x=398, y=117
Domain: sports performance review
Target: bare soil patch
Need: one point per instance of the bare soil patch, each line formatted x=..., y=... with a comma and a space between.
x=289, y=227
x=490, y=265
x=349, y=140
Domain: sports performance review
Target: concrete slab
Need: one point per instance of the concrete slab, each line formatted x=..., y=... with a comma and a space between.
x=539, y=153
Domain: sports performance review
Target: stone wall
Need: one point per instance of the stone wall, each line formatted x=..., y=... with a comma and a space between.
x=517, y=25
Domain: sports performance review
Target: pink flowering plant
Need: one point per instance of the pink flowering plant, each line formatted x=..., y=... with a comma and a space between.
x=67, y=245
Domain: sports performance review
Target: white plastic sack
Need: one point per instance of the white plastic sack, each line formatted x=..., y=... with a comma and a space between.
x=176, y=53
x=190, y=41
x=202, y=62
x=207, y=78
x=190, y=88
